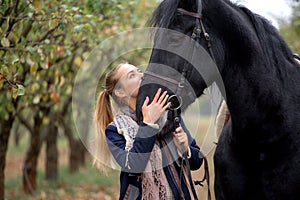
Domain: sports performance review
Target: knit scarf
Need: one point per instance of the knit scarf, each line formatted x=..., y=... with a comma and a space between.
x=154, y=182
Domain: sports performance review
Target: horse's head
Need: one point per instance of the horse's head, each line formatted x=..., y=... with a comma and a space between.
x=181, y=60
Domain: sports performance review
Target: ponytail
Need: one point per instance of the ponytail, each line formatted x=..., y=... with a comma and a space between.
x=103, y=112
x=102, y=117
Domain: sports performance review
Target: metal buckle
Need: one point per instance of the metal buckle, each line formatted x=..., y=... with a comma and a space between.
x=176, y=99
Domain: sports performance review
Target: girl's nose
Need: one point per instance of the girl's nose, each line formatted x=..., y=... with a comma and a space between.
x=141, y=75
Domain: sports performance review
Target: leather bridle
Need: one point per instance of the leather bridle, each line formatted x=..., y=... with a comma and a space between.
x=196, y=35
x=199, y=28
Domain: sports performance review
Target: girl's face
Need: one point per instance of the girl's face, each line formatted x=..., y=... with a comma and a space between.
x=129, y=81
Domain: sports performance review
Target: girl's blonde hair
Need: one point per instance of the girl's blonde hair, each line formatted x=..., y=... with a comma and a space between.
x=102, y=117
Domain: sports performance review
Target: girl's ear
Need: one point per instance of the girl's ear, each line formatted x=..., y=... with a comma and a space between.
x=119, y=93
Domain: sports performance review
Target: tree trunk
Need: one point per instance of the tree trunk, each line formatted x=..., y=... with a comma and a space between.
x=51, y=151
x=74, y=161
x=30, y=165
x=77, y=149
x=77, y=155
x=81, y=149
x=5, y=127
x=17, y=134
x=82, y=154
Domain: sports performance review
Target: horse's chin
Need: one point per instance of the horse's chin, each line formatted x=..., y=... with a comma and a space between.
x=168, y=128
x=168, y=125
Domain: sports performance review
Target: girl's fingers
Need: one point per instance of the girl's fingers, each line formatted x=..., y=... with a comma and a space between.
x=178, y=129
x=165, y=99
x=167, y=106
x=146, y=102
x=156, y=95
x=162, y=97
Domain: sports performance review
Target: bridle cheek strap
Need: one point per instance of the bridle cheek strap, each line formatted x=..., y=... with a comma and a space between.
x=199, y=28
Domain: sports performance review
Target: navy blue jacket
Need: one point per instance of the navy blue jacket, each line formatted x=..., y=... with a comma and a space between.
x=134, y=162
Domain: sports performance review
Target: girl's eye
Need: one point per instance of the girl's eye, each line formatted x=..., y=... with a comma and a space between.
x=131, y=75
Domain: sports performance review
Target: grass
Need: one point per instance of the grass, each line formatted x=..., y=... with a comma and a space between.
x=87, y=183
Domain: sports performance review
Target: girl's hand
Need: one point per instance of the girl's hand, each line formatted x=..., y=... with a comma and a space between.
x=153, y=111
x=180, y=138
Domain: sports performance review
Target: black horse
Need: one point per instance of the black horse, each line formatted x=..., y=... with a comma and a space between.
x=257, y=156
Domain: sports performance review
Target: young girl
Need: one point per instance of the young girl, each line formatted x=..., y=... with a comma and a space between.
x=151, y=167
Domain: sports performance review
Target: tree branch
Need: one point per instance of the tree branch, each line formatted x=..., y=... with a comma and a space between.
x=6, y=13
x=30, y=2
x=48, y=33
x=13, y=49
x=29, y=18
x=24, y=122
x=13, y=21
x=26, y=31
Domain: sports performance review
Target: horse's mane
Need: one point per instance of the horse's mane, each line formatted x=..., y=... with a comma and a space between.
x=268, y=35
x=164, y=13
x=272, y=44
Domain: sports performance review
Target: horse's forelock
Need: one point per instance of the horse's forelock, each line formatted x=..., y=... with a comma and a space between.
x=164, y=13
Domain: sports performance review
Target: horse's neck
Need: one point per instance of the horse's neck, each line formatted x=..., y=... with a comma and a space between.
x=255, y=89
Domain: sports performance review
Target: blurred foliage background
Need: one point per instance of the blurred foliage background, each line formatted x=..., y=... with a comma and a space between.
x=42, y=46
x=290, y=28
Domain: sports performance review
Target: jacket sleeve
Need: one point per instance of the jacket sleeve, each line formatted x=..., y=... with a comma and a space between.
x=196, y=158
x=134, y=160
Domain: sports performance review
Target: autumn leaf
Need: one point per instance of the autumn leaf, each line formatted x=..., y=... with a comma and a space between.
x=54, y=95
x=78, y=61
x=38, y=5
x=14, y=92
x=4, y=72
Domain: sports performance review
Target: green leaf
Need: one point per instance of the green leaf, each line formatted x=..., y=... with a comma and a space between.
x=14, y=59
x=30, y=15
x=77, y=17
x=78, y=28
x=21, y=90
x=31, y=49
x=5, y=42
x=64, y=6
x=4, y=70
x=62, y=25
